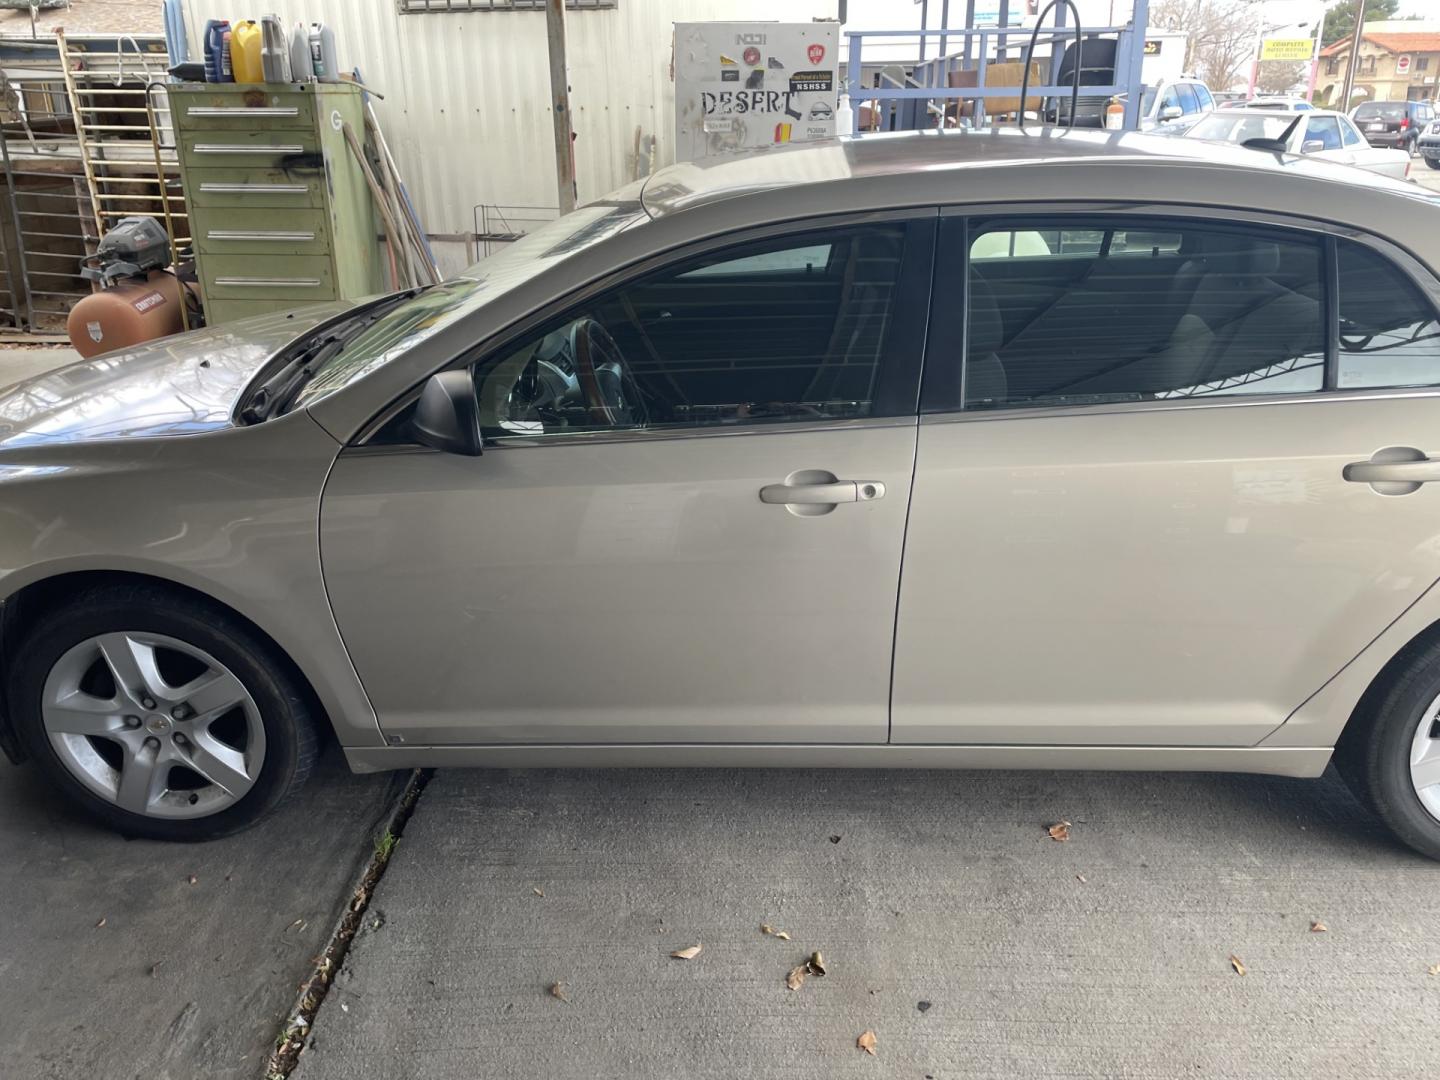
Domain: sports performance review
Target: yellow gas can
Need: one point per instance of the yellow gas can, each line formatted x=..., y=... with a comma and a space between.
x=246, y=52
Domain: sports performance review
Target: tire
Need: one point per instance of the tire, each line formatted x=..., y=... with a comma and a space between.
x=1374, y=754
x=239, y=762
x=1433, y=162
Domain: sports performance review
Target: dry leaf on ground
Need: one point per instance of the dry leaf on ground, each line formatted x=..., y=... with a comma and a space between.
x=1318, y=927
x=538, y=891
x=1433, y=969
x=557, y=990
x=796, y=978
x=766, y=928
x=1237, y=964
x=193, y=880
x=866, y=1042
x=101, y=923
x=687, y=954
x=816, y=964
x=1059, y=831
x=1080, y=878
x=834, y=839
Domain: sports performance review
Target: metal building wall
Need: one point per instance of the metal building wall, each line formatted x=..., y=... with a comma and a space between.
x=466, y=106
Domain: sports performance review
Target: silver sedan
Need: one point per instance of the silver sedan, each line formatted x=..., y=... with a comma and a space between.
x=1019, y=450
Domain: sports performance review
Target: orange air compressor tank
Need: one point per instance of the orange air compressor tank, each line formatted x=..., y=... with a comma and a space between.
x=131, y=312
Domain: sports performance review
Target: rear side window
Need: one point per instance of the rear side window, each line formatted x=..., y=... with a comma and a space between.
x=1389, y=335
x=1325, y=130
x=1203, y=93
x=1147, y=311
x=1188, y=101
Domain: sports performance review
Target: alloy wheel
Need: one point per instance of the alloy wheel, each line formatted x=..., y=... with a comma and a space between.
x=1425, y=759
x=154, y=725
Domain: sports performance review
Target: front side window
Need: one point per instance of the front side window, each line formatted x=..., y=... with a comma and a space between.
x=1389, y=335
x=778, y=330
x=1148, y=310
x=1325, y=130
x=1188, y=101
x=1207, y=101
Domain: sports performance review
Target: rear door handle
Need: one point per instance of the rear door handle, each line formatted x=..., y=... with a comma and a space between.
x=1395, y=470
x=840, y=491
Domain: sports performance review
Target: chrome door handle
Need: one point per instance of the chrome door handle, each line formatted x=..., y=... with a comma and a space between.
x=841, y=491
x=1393, y=472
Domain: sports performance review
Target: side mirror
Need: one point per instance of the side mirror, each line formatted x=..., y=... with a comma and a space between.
x=1171, y=112
x=447, y=416
x=1310, y=146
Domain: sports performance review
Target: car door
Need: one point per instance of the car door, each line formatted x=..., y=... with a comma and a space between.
x=1160, y=509
x=687, y=520
x=1383, y=160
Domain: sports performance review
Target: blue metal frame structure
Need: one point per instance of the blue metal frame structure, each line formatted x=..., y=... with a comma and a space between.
x=931, y=75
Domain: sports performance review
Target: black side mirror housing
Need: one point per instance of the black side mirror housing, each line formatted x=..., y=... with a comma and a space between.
x=447, y=416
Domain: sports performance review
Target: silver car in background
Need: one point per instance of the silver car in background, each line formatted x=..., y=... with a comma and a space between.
x=1017, y=450
x=1317, y=133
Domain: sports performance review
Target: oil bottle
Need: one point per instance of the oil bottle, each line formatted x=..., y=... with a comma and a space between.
x=245, y=57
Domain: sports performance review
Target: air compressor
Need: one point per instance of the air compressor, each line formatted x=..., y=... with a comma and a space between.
x=140, y=298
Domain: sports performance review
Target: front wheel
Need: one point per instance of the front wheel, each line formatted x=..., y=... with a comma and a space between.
x=163, y=716
x=1433, y=162
x=1390, y=753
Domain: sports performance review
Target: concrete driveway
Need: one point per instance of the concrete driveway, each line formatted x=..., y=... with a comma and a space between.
x=114, y=964
x=954, y=928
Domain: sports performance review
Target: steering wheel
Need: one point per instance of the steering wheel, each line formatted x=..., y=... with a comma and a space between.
x=611, y=393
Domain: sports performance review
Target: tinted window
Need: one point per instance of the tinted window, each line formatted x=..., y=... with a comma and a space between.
x=790, y=329
x=1388, y=331
x=1188, y=101
x=1324, y=130
x=1380, y=110
x=1203, y=93
x=1175, y=311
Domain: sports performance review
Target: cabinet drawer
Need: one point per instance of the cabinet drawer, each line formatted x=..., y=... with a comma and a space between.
x=256, y=188
x=227, y=231
x=242, y=107
x=299, y=279
x=222, y=149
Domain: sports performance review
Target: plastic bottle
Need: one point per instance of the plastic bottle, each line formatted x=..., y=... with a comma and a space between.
x=214, y=42
x=300, y=66
x=323, y=61
x=222, y=60
x=245, y=52
x=274, y=50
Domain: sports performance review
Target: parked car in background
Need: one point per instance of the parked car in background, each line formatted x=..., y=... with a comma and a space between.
x=1393, y=123
x=1173, y=99
x=1429, y=144
x=1172, y=128
x=1317, y=133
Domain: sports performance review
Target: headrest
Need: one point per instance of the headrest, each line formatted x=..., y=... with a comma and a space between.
x=1235, y=256
x=987, y=330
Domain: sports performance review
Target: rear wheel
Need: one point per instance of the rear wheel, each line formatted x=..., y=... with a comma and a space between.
x=163, y=716
x=1390, y=754
x=1433, y=162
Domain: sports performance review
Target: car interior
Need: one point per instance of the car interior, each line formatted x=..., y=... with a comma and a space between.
x=1123, y=315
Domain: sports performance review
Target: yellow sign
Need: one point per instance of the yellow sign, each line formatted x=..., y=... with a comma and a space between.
x=1287, y=49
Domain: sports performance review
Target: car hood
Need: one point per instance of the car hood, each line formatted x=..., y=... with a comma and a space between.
x=180, y=385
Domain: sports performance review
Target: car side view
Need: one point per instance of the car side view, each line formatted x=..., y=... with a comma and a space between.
x=1021, y=449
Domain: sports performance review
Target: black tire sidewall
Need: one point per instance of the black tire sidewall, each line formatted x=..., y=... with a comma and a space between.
x=282, y=710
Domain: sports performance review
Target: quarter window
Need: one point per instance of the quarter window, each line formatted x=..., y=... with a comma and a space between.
x=1389, y=335
x=779, y=330
x=1145, y=311
x=1348, y=133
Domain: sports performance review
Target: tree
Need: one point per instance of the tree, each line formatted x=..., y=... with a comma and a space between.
x=1340, y=18
x=1221, y=36
x=1279, y=76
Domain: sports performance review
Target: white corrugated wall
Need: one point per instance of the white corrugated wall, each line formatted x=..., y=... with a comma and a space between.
x=466, y=107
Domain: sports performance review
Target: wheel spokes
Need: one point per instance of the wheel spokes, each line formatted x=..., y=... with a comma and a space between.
x=135, y=667
x=222, y=765
x=1425, y=770
x=211, y=695
x=83, y=714
x=143, y=779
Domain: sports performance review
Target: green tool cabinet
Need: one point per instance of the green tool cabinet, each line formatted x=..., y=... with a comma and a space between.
x=280, y=214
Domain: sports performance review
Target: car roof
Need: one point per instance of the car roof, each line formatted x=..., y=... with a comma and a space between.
x=823, y=166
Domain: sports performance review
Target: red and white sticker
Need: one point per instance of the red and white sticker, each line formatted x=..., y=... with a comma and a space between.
x=148, y=301
x=752, y=56
x=816, y=53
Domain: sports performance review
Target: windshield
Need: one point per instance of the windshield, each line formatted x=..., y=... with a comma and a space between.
x=1233, y=127
x=410, y=323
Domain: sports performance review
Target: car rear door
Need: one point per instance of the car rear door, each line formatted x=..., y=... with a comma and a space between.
x=687, y=521
x=1157, y=502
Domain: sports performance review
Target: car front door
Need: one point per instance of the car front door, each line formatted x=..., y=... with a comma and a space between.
x=1159, y=509
x=687, y=520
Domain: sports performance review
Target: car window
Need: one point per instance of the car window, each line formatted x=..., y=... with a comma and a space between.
x=1324, y=130
x=1348, y=135
x=1177, y=311
x=1380, y=110
x=1203, y=93
x=781, y=330
x=1169, y=98
x=1389, y=335
x=1188, y=101
x=1237, y=127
